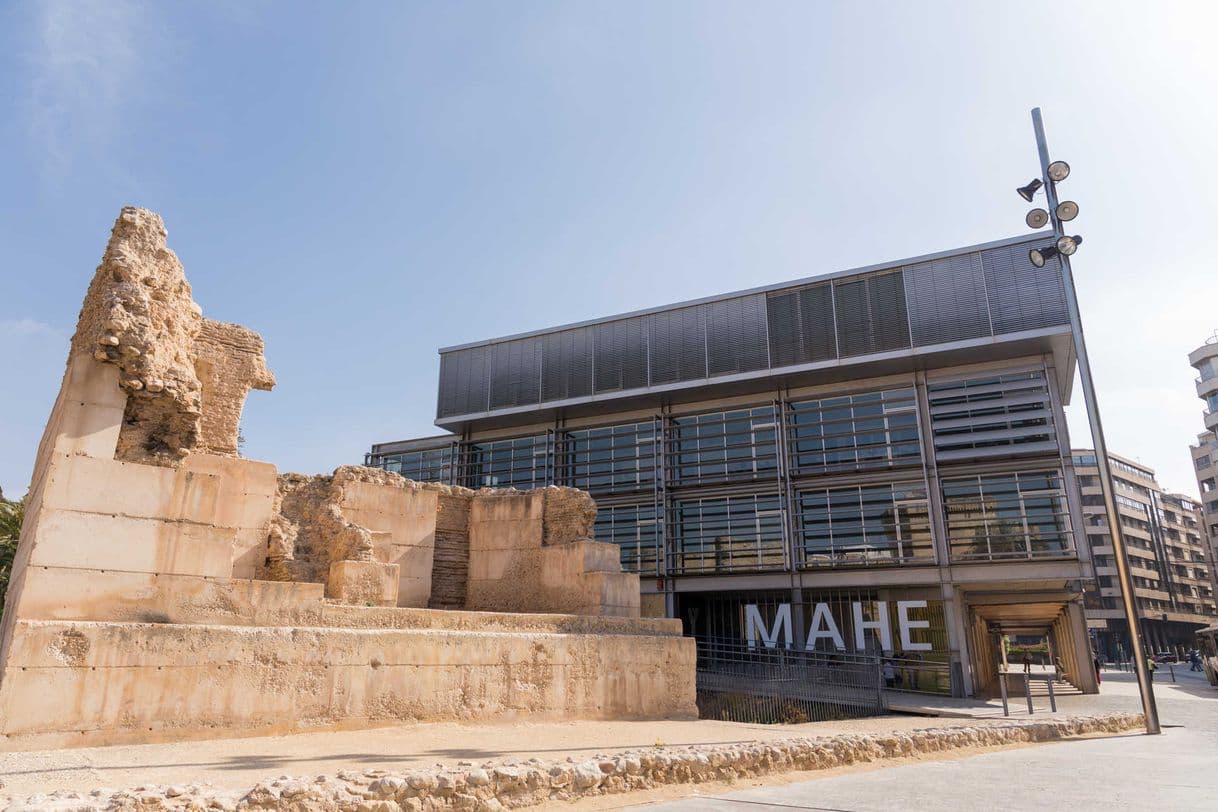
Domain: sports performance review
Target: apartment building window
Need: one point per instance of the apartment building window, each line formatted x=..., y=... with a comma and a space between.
x=1087, y=460
x=740, y=444
x=519, y=463
x=854, y=432
x=428, y=465
x=994, y=416
x=635, y=530
x=996, y=517
x=1088, y=481
x=610, y=459
x=1202, y=462
x=727, y=534
x=870, y=524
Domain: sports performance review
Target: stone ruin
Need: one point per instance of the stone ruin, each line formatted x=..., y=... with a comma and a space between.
x=166, y=588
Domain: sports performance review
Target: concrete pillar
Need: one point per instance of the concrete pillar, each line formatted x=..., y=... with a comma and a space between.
x=1080, y=648
x=958, y=639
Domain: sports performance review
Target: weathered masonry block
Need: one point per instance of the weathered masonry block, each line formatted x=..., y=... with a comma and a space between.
x=165, y=588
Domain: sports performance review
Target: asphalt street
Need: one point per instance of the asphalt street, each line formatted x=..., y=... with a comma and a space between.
x=1175, y=770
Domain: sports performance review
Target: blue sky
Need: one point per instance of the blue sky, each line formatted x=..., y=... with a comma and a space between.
x=365, y=182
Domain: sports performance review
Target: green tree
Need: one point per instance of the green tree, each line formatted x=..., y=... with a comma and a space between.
x=11, y=516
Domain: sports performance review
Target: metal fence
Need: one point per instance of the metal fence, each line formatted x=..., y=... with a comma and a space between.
x=739, y=683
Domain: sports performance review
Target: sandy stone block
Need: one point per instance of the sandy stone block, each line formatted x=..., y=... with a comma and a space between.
x=92, y=485
x=388, y=499
x=97, y=541
x=408, y=528
x=613, y=588
x=506, y=534
x=88, y=430
x=237, y=474
x=248, y=551
x=414, y=591
x=72, y=594
x=363, y=582
x=87, y=381
x=506, y=508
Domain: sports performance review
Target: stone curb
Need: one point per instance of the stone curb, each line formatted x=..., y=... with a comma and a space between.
x=515, y=785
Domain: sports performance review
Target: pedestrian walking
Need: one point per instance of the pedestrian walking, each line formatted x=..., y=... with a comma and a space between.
x=1027, y=662
x=1194, y=660
x=1098, y=665
x=1151, y=667
x=890, y=674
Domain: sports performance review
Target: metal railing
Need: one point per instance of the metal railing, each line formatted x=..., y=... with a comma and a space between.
x=741, y=683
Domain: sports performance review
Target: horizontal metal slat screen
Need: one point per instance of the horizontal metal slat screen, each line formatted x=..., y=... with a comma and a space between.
x=621, y=355
x=736, y=335
x=516, y=373
x=1022, y=296
x=801, y=325
x=566, y=364
x=947, y=300
x=463, y=381
x=889, y=315
x=678, y=345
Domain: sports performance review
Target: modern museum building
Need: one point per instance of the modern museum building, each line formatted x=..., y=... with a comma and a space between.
x=873, y=459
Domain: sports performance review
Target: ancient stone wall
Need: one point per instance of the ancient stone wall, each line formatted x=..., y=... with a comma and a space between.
x=134, y=614
x=229, y=363
x=139, y=316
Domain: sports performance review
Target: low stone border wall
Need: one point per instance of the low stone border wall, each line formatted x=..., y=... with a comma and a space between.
x=513, y=785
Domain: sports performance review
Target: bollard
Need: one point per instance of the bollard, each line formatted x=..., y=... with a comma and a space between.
x=1052, y=699
x=1002, y=684
x=1171, y=667
x=1027, y=690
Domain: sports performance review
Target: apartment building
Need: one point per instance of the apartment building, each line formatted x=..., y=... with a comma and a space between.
x=1170, y=561
x=870, y=460
x=1205, y=453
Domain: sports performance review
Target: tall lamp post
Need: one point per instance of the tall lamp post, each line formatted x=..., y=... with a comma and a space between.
x=1063, y=247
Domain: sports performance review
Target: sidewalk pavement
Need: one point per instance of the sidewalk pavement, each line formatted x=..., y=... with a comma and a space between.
x=1176, y=770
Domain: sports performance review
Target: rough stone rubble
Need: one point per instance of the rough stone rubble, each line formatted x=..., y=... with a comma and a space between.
x=514, y=785
x=140, y=316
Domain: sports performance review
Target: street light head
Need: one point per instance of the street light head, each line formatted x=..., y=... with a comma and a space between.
x=1067, y=210
x=1059, y=171
x=1036, y=218
x=1026, y=192
x=1068, y=245
x=1039, y=256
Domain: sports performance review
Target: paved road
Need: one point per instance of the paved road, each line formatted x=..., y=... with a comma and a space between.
x=1177, y=770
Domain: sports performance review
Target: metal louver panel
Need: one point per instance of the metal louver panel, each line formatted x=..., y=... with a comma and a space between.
x=736, y=335
x=871, y=314
x=621, y=355
x=566, y=364
x=991, y=417
x=516, y=373
x=947, y=300
x=678, y=345
x=801, y=325
x=463, y=381
x=1022, y=296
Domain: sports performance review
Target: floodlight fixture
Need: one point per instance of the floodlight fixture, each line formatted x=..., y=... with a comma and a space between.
x=1068, y=245
x=1067, y=210
x=1026, y=192
x=1037, y=218
x=1058, y=171
x=1039, y=256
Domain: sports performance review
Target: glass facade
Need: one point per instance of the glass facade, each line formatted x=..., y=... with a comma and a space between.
x=812, y=483
x=636, y=530
x=854, y=432
x=521, y=463
x=426, y=465
x=727, y=534
x=735, y=445
x=868, y=524
x=613, y=459
x=1006, y=516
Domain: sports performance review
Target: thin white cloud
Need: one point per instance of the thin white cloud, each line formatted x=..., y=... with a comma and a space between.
x=85, y=66
x=28, y=328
